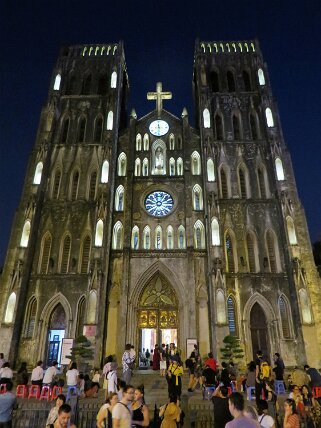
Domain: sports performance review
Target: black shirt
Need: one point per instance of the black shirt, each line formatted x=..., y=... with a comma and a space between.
x=222, y=414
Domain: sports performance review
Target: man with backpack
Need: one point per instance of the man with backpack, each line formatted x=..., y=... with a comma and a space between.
x=262, y=374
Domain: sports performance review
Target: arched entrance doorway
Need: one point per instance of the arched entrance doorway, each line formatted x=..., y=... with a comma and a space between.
x=56, y=332
x=157, y=314
x=259, y=331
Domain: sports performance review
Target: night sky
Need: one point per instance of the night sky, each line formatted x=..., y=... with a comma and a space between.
x=159, y=39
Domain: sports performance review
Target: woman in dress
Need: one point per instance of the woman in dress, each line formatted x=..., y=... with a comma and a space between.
x=291, y=418
x=156, y=358
x=104, y=417
x=140, y=416
x=171, y=413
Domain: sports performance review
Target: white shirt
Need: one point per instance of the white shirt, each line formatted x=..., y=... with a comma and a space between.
x=266, y=421
x=124, y=414
x=72, y=377
x=50, y=374
x=6, y=372
x=112, y=381
x=37, y=373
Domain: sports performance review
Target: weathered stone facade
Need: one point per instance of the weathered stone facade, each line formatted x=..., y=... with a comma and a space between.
x=231, y=255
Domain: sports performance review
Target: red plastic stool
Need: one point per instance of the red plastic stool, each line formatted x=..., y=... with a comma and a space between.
x=3, y=388
x=45, y=393
x=34, y=391
x=316, y=391
x=22, y=391
x=55, y=392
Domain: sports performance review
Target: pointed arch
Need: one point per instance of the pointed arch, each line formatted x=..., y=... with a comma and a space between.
x=113, y=80
x=25, y=234
x=261, y=77
x=30, y=320
x=65, y=249
x=305, y=307
x=159, y=158
x=74, y=185
x=272, y=251
x=224, y=182
x=86, y=84
x=291, y=231
x=64, y=129
x=56, y=184
x=146, y=238
x=122, y=165
x=199, y=235
x=215, y=229
x=232, y=316
x=252, y=253
x=220, y=307
x=210, y=170
x=45, y=249
x=81, y=313
x=269, y=117
x=146, y=142
x=102, y=84
x=110, y=121
x=137, y=168
x=135, y=238
x=169, y=237
x=138, y=142
x=57, y=82
x=243, y=182
x=197, y=198
x=98, y=129
x=254, y=126
x=72, y=84
x=279, y=169
x=214, y=81
x=181, y=240
x=171, y=142
x=10, y=308
x=230, y=81
x=92, y=186
x=285, y=315
x=38, y=173
x=99, y=235
x=230, y=252
x=92, y=307
x=262, y=182
x=119, y=198
x=158, y=238
x=172, y=166
x=236, y=122
x=145, y=167
x=196, y=163
x=179, y=164
x=85, y=250
x=206, y=118
x=118, y=236
x=247, y=80
x=219, y=128
x=105, y=172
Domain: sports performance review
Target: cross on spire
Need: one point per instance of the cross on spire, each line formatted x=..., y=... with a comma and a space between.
x=159, y=96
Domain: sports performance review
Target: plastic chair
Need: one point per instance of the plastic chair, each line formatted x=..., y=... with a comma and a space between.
x=71, y=390
x=55, y=392
x=316, y=391
x=22, y=391
x=279, y=387
x=34, y=391
x=45, y=393
x=3, y=388
x=250, y=391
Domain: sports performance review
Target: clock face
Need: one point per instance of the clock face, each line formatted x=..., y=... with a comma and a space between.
x=159, y=203
x=158, y=127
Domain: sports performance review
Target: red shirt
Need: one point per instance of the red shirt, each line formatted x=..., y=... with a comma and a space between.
x=210, y=362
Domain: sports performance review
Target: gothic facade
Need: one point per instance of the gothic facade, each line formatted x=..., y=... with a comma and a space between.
x=153, y=229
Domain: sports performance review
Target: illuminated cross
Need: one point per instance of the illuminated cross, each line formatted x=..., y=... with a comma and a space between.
x=159, y=96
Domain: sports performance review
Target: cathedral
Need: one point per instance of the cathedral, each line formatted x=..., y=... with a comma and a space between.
x=160, y=229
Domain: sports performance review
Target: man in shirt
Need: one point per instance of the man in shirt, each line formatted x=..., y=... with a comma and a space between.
x=37, y=374
x=236, y=407
x=8, y=402
x=64, y=416
x=222, y=414
x=314, y=376
x=211, y=362
x=127, y=360
x=122, y=411
x=50, y=374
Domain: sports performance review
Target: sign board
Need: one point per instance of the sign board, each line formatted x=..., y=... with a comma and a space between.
x=66, y=346
x=190, y=346
x=90, y=330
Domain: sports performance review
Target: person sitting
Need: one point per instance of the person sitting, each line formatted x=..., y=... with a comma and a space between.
x=225, y=375
x=211, y=362
x=291, y=418
x=6, y=374
x=208, y=376
x=37, y=374
x=50, y=374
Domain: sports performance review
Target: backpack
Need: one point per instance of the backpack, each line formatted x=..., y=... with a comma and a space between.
x=265, y=371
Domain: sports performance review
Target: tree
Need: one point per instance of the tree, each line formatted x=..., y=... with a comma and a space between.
x=232, y=349
x=82, y=352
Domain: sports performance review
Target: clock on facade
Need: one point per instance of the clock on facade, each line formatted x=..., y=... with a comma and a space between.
x=159, y=203
x=158, y=127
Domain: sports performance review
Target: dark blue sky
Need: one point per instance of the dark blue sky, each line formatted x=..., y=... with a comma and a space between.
x=159, y=39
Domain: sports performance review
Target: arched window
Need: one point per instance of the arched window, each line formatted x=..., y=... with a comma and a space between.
x=219, y=127
x=206, y=118
x=145, y=167
x=197, y=198
x=285, y=316
x=10, y=308
x=271, y=251
x=236, y=128
x=98, y=129
x=232, y=316
x=181, y=243
x=243, y=183
x=38, y=173
x=269, y=117
x=229, y=254
x=224, y=184
x=81, y=316
x=158, y=238
x=102, y=85
x=92, y=186
x=291, y=231
x=119, y=198
x=86, y=85
x=146, y=142
x=110, y=121
x=72, y=85
x=105, y=172
x=179, y=164
x=137, y=167
x=253, y=126
x=92, y=307
x=135, y=238
x=210, y=170
x=170, y=238
x=64, y=130
x=220, y=307
x=45, y=254
x=113, y=80
x=214, y=79
x=99, y=233
x=216, y=240
x=74, y=185
x=172, y=166
x=85, y=255
x=146, y=237
x=171, y=142
x=199, y=235
x=279, y=169
x=230, y=81
x=57, y=82
x=138, y=142
x=118, y=236
x=65, y=254
x=247, y=81
x=25, y=234
x=251, y=253
x=31, y=317
x=122, y=165
x=262, y=182
x=305, y=307
x=261, y=77
x=196, y=163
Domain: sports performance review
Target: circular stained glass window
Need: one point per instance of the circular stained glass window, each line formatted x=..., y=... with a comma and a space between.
x=159, y=203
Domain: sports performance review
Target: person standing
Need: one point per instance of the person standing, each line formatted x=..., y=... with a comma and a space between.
x=50, y=374
x=259, y=377
x=156, y=358
x=236, y=408
x=315, y=377
x=174, y=378
x=291, y=418
x=127, y=361
x=140, y=410
x=222, y=413
x=162, y=363
x=53, y=414
x=171, y=413
x=64, y=416
x=72, y=375
x=122, y=411
x=104, y=417
x=37, y=374
x=8, y=403
x=112, y=378
x=211, y=362
x=279, y=367
x=133, y=355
